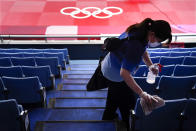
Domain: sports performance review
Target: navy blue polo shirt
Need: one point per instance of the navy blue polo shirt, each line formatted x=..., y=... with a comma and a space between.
x=127, y=57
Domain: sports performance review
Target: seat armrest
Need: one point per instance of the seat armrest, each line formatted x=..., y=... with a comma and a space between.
x=68, y=59
x=132, y=120
x=193, y=91
x=6, y=93
x=52, y=77
x=24, y=121
x=181, y=119
x=64, y=62
x=42, y=92
x=60, y=70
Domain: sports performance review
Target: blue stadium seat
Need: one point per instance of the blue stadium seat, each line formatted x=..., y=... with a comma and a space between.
x=185, y=70
x=52, y=62
x=192, y=49
x=60, y=56
x=26, y=90
x=2, y=90
x=189, y=60
x=167, y=70
x=153, y=49
x=44, y=74
x=153, y=59
x=193, y=53
x=176, y=87
x=13, y=118
x=149, y=88
x=38, y=50
x=180, y=49
x=29, y=50
x=171, y=60
x=13, y=71
x=141, y=71
x=176, y=54
x=165, y=118
x=154, y=54
x=9, y=50
x=64, y=51
x=18, y=61
x=5, y=62
x=11, y=54
x=165, y=50
x=38, y=54
x=190, y=116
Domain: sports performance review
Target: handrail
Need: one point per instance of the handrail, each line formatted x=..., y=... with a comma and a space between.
x=81, y=36
x=2, y=37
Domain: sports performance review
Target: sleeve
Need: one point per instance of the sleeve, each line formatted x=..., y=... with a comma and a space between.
x=131, y=56
x=123, y=35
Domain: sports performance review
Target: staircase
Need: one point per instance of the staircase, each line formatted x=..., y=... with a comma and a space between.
x=75, y=109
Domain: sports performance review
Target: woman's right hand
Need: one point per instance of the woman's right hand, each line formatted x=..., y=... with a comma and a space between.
x=148, y=98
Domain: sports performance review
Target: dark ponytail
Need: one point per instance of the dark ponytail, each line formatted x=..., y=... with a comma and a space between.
x=161, y=29
x=140, y=30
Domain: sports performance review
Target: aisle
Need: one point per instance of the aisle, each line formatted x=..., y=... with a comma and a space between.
x=73, y=108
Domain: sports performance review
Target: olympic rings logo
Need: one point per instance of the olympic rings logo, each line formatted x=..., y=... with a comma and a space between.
x=88, y=13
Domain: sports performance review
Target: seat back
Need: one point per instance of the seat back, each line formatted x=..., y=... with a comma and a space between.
x=153, y=59
x=43, y=72
x=185, y=70
x=51, y=61
x=168, y=115
x=141, y=71
x=9, y=113
x=23, y=61
x=24, y=90
x=177, y=54
x=38, y=54
x=167, y=70
x=189, y=60
x=13, y=71
x=193, y=53
x=5, y=62
x=60, y=56
x=176, y=87
x=171, y=60
x=64, y=51
x=179, y=49
x=154, y=54
x=11, y=54
x=149, y=88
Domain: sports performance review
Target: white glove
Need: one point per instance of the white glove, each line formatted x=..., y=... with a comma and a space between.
x=148, y=98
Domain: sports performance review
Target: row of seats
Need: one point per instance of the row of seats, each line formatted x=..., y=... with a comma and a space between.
x=170, y=87
x=32, y=50
x=176, y=115
x=60, y=56
x=44, y=74
x=168, y=70
x=178, y=88
x=33, y=61
x=13, y=116
x=167, y=60
x=170, y=49
x=27, y=90
x=172, y=54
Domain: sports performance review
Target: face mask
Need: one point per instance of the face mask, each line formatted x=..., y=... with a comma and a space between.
x=154, y=44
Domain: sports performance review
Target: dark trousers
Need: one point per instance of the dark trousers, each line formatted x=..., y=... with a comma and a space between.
x=119, y=96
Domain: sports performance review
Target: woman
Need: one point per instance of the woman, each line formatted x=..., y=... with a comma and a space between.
x=118, y=66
